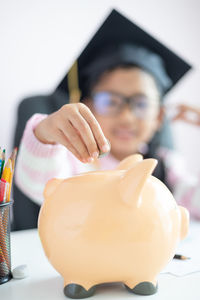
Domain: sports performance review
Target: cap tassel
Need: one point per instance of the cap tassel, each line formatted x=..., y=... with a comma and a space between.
x=74, y=91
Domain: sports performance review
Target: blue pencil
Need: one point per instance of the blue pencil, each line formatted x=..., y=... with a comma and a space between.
x=3, y=161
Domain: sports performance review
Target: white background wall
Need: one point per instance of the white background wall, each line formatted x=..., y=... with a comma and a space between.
x=39, y=39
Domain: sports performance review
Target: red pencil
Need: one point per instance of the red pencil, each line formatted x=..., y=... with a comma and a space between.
x=2, y=190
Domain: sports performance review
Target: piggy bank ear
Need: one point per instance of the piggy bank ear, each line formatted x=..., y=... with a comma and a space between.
x=51, y=186
x=133, y=181
x=129, y=162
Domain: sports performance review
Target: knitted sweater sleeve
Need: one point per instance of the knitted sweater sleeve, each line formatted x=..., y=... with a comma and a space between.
x=38, y=162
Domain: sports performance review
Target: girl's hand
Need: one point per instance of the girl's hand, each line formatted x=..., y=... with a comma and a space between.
x=187, y=114
x=75, y=127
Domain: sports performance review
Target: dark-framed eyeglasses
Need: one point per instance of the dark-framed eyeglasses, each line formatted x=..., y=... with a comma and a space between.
x=111, y=104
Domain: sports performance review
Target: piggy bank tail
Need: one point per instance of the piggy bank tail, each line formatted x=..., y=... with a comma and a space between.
x=184, y=222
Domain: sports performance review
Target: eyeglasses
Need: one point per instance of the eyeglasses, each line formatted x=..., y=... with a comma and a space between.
x=111, y=104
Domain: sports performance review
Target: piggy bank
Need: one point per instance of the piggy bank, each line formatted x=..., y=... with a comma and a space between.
x=120, y=225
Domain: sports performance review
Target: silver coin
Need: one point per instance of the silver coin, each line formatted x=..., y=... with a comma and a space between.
x=102, y=154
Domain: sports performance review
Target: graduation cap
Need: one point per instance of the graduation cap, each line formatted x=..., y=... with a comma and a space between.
x=120, y=41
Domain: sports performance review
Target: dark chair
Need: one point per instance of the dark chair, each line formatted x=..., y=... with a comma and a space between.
x=25, y=211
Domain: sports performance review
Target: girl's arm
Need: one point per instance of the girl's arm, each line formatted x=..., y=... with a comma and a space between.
x=48, y=143
x=75, y=127
x=188, y=114
x=186, y=187
x=38, y=162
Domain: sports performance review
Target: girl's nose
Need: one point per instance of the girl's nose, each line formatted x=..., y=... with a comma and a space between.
x=127, y=113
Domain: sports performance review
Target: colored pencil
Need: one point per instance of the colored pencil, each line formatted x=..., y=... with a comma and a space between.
x=1, y=159
x=2, y=190
x=7, y=171
x=3, y=162
x=181, y=257
x=7, y=176
x=12, y=158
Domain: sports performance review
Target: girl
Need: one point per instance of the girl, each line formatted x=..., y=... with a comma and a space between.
x=122, y=93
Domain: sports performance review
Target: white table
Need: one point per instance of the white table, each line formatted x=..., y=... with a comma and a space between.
x=44, y=283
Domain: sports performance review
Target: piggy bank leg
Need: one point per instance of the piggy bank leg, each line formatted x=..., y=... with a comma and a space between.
x=143, y=288
x=76, y=291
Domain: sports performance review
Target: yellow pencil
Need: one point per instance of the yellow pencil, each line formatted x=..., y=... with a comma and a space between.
x=7, y=171
x=12, y=158
x=7, y=176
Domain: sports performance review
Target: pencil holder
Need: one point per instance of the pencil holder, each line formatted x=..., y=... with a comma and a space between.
x=5, y=255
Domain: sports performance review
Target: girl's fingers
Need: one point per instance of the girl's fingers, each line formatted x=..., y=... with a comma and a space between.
x=188, y=116
x=96, y=129
x=76, y=140
x=81, y=130
x=178, y=116
x=86, y=134
x=62, y=139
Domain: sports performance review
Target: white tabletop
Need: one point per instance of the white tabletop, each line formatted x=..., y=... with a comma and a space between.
x=44, y=282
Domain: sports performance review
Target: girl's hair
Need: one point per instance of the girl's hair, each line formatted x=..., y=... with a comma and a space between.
x=96, y=77
x=126, y=56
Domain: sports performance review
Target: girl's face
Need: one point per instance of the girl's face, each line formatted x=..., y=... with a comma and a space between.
x=126, y=105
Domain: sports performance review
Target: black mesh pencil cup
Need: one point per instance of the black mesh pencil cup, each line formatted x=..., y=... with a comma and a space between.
x=5, y=257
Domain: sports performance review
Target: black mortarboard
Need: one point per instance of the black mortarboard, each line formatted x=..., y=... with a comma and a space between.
x=119, y=41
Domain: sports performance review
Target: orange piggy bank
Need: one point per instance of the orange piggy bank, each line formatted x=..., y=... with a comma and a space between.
x=121, y=225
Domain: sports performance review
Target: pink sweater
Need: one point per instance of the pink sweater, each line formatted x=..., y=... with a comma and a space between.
x=38, y=162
